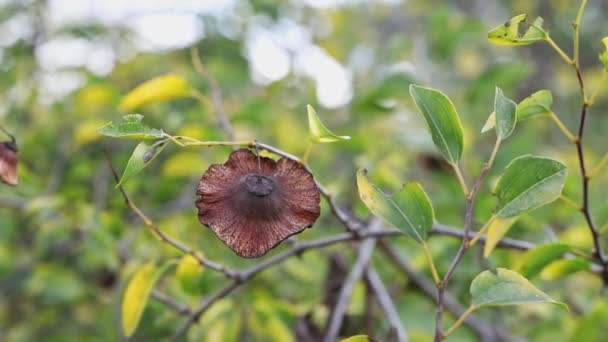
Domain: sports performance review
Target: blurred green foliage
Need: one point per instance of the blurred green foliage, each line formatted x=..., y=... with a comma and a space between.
x=68, y=244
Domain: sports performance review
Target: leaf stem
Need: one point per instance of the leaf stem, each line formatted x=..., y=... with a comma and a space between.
x=494, y=152
x=304, y=158
x=582, y=254
x=7, y=133
x=570, y=202
x=561, y=52
x=482, y=231
x=463, y=183
x=562, y=127
x=576, y=29
x=597, y=91
x=603, y=230
x=429, y=259
x=195, y=142
x=459, y=322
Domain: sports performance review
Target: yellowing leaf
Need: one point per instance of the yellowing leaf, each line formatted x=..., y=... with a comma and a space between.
x=534, y=260
x=95, y=96
x=604, y=54
x=497, y=230
x=183, y=164
x=410, y=209
x=86, y=132
x=158, y=89
x=564, y=267
x=188, y=272
x=317, y=130
x=278, y=331
x=137, y=293
x=508, y=33
x=577, y=236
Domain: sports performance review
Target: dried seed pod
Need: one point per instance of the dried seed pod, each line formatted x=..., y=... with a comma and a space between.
x=8, y=162
x=253, y=203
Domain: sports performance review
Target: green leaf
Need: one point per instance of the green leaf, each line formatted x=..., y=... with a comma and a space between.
x=592, y=327
x=143, y=155
x=508, y=33
x=534, y=105
x=528, y=183
x=538, y=103
x=137, y=293
x=409, y=210
x=442, y=119
x=318, y=132
x=277, y=330
x=357, y=338
x=496, y=231
x=130, y=127
x=604, y=54
x=506, y=114
x=188, y=273
x=564, y=267
x=506, y=287
x=534, y=260
x=158, y=89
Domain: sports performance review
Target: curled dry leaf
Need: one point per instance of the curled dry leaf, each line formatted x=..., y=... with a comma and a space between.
x=8, y=162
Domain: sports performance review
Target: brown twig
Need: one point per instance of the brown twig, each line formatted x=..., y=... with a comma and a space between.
x=347, y=220
x=464, y=246
x=386, y=303
x=486, y=331
x=8, y=133
x=170, y=302
x=441, y=229
x=241, y=277
x=364, y=253
x=585, y=209
x=160, y=234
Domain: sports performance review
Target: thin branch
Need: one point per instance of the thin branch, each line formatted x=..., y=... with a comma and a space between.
x=561, y=52
x=599, y=254
x=170, y=302
x=486, y=331
x=216, y=93
x=16, y=203
x=243, y=276
x=562, y=127
x=576, y=28
x=386, y=303
x=347, y=220
x=206, y=304
x=160, y=234
x=8, y=134
x=364, y=254
x=440, y=229
x=464, y=246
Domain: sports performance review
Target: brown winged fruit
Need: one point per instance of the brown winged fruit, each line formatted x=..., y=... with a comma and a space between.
x=253, y=203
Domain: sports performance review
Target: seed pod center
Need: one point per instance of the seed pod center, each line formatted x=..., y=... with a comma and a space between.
x=259, y=185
